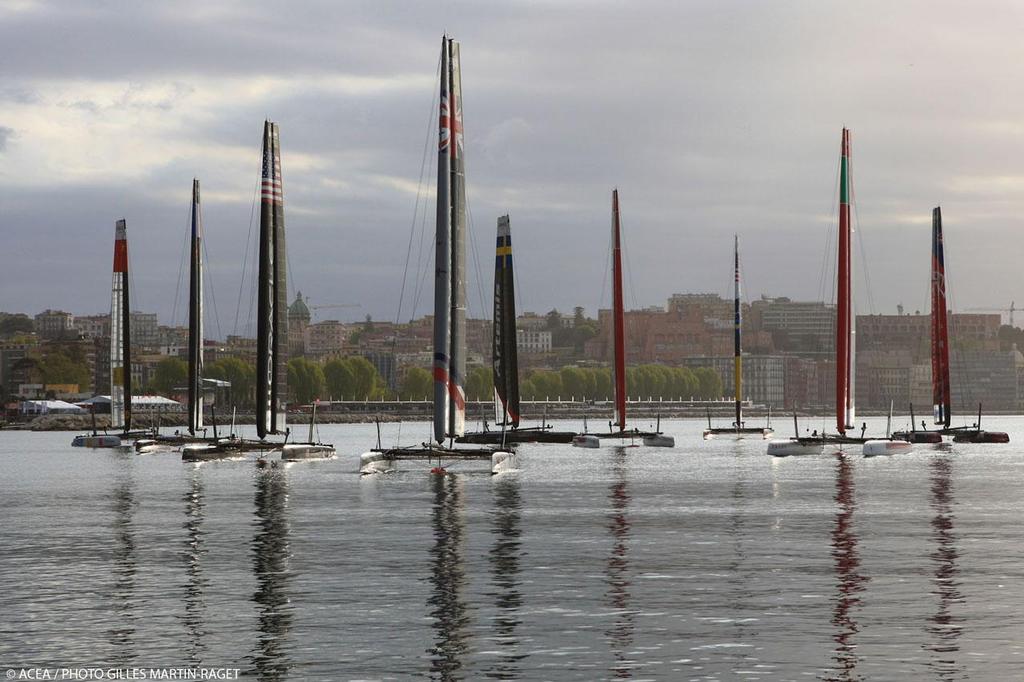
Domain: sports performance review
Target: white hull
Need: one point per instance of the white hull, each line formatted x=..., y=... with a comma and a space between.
x=375, y=463
x=502, y=461
x=660, y=441
x=874, y=448
x=104, y=441
x=585, y=440
x=793, y=448
x=764, y=434
x=294, y=451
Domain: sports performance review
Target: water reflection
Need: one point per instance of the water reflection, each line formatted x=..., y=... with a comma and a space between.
x=944, y=626
x=505, y=558
x=620, y=636
x=125, y=559
x=271, y=564
x=448, y=577
x=192, y=555
x=849, y=581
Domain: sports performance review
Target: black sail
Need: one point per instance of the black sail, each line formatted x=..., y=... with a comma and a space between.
x=271, y=330
x=195, y=318
x=504, y=358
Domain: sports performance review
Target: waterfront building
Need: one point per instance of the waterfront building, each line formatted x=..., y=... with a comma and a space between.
x=55, y=324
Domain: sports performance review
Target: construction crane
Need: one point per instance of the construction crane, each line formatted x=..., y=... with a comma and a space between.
x=1010, y=310
x=330, y=306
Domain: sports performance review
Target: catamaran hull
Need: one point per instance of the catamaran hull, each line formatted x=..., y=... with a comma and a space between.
x=794, y=448
x=586, y=440
x=981, y=437
x=104, y=441
x=659, y=440
x=516, y=436
x=765, y=434
x=875, y=448
x=299, y=451
x=922, y=437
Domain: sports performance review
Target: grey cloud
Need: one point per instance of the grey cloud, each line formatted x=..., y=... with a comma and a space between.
x=6, y=134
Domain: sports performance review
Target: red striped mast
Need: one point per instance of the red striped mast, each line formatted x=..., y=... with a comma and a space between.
x=941, y=398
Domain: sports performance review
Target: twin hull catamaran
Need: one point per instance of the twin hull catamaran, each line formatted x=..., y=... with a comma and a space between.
x=942, y=403
x=738, y=428
x=650, y=438
x=449, y=295
x=271, y=332
x=845, y=350
x=120, y=354
x=505, y=360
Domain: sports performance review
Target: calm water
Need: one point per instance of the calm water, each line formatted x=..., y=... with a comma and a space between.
x=707, y=561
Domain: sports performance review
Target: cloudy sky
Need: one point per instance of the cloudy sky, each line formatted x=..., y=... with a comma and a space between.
x=710, y=117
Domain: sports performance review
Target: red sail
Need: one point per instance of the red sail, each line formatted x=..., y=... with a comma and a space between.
x=843, y=313
x=941, y=397
x=618, y=318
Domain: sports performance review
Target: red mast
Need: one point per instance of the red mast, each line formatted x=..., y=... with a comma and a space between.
x=618, y=318
x=843, y=313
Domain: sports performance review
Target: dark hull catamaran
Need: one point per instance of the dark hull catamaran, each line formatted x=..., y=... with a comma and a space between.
x=271, y=329
x=651, y=438
x=942, y=403
x=738, y=428
x=449, y=296
x=120, y=354
x=505, y=360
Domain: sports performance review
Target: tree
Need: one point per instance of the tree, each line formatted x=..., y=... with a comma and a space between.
x=305, y=380
x=65, y=364
x=416, y=384
x=480, y=384
x=169, y=375
x=242, y=377
x=353, y=378
x=709, y=383
x=18, y=323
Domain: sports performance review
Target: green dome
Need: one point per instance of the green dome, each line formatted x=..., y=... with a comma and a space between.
x=299, y=309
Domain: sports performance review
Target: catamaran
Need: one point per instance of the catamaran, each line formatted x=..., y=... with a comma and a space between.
x=505, y=360
x=738, y=428
x=845, y=347
x=271, y=311
x=650, y=438
x=120, y=354
x=942, y=403
x=449, y=296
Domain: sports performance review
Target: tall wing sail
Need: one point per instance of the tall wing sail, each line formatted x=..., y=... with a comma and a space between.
x=195, y=318
x=271, y=308
x=844, y=329
x=737, y=342
x=618, y=317
x=442, y=254
x=504, y=353
x=120, y=336
x=457, y=355
x=941, y=394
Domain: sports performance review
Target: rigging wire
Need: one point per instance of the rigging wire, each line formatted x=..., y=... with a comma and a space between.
x=181, y=261
x=209, y=284
x=245, y=258
x=860, y=243
x=419, y=195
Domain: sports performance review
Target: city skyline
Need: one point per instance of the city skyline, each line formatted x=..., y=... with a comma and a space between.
x=711, y=119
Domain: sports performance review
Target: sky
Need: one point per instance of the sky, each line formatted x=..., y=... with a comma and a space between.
x=711, y=118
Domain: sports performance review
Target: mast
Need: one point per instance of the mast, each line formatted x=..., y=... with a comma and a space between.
x=450, y=255
x=195, y=319
x=618, y=317
x=737, y=346
x=845, y=343
x=941, y=398
x=120, y=334
x=504, y=354
x=271, y=363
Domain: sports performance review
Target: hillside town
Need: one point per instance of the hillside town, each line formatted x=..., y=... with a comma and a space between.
x=59, y=356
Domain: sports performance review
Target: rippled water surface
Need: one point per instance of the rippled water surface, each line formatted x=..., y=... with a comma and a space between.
x=706, y=561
